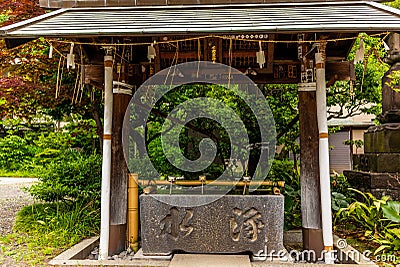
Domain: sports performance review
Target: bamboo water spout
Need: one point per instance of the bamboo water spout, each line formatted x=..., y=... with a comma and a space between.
x=133, y=211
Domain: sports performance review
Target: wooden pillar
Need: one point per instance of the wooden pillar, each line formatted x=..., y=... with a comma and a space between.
x=106, y=164
x=324, y=174
x=309, y=164
x=309, y=172
x=119, y=174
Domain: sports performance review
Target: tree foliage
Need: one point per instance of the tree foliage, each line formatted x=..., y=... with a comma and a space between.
x=200, y=128
x=365, y=95
x=20, y=98
x=15, y=11
x=349, y=98
x=23, y=69
x=283, y=100
x=33, y=84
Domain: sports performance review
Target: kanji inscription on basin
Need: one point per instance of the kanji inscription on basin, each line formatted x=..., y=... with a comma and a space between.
x=174, y=227
x=246, y=223
x=231, y=224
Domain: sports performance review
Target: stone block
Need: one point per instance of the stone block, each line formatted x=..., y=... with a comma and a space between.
x=378, y=184
x=370, y=180
x=390, y=98
x=390, y=181
x=358, y=179
x=230, y=224
x=379, y=193
x=377, y=162
x=206, y=260
x=382, y=139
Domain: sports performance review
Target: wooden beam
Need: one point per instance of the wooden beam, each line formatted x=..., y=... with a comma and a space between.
x=309, y=171
x=119, y=174
x=270, y=55
x=93, y=73
x=336, y=71
x=182, y=54
x=219, y=51
x=157, y=59
x=341, y=71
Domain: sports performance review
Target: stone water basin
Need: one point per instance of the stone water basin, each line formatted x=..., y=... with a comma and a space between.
x=251, y=224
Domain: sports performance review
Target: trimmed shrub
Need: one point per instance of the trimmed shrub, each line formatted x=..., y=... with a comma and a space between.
x=15, y=153
x=74, y=176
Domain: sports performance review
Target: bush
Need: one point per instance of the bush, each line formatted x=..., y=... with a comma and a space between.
x=378, y=218
x=288, y=171
x=70, y=184
x=29, y=151
x=83, y=135
x=15, y=153
x=49, y=147
x=285, y=170
x=341, y=193
x=74, y=176
x=367, y=213
x=58, y=225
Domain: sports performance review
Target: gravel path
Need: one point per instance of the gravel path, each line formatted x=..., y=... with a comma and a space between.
x=12, y=199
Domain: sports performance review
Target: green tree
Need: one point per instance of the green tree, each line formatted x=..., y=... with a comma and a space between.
x=203, y=127
x=33, y=84
x=365, y=95
x=350, y=98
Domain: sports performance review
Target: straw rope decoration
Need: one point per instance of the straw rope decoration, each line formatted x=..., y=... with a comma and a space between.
x=78, y=90
x=51, y=42
x=226, y=37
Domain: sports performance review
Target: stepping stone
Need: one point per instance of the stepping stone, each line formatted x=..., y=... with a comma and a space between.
x=209, y=260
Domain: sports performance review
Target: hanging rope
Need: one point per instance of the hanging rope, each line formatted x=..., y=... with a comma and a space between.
x=58, y=76
x=51, y=41
x=198, y=57
x=230, y=56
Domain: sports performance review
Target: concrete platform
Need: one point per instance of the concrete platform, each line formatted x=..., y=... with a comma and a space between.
x=204, y=260
x=77, y=256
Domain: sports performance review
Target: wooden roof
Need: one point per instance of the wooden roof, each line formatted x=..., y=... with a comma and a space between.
x=354, y=16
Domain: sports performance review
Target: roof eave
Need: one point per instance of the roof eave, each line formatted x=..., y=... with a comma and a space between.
x=12, y=27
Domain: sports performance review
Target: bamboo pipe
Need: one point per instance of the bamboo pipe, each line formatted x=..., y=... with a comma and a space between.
x=324, y=159
x=215, y=182
x=133, y=211
x=106, y=164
